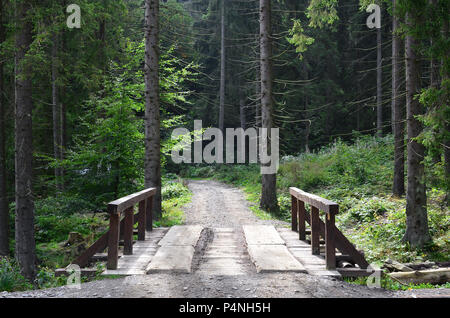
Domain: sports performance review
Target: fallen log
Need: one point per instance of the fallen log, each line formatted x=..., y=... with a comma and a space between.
x=394, y=266
x=432, y=276
x=422, y=266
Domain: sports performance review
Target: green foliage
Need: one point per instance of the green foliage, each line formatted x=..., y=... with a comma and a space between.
x=389, y=283
x=175, y=195
x=322, y=13
x=106, y=161
x=299, y=38
x=55, y=228
x=45, y=278
x=63, y=205
x=363, y=166
x=10, y=277
x=368, y=208
x=173, y=190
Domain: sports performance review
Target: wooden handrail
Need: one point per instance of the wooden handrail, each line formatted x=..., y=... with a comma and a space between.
x=126, y=205
x=119, y=205
x=117, y=226
x=333, y=237
x=315, y=201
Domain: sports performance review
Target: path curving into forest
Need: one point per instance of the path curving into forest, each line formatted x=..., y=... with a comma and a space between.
x=218, y=206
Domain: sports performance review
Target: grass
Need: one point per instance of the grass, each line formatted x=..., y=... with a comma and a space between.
x=174, y=196
x=389, y=283
x=359, y=178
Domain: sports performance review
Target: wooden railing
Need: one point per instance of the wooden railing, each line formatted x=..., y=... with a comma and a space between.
x=122, y=228
x=327, y=230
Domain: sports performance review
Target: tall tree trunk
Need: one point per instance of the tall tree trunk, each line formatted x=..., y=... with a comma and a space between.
x=56, y=110
x=258, y=96
x=242, y=112
x=307, y=133
x=4, y=215
x=434, y=62
x=25, y=242
x=62, y=113
x=444, y=79
x=416, y=200
x=307, y=125
x=398, y=188
x=222, y=68
x=434, y=83
x=379, y=86
x=152, y=115
x=268, y=192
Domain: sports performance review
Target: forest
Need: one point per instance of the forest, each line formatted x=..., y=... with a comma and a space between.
x=90, y=95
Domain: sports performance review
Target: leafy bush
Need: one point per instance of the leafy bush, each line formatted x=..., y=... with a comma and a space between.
x=368, y=208
x=10, y=277
x=173, y=190
x=45, y=278
x=175, y=195
x=55, y=228
x=63, y=205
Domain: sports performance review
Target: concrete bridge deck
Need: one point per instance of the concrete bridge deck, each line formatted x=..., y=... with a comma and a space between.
x=221, y=251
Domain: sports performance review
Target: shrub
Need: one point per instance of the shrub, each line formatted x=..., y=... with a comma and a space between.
x=173, y=190
x=368, y=208
x=10, y=277
x=45, y=278
x=63, y=205
x=55, y=228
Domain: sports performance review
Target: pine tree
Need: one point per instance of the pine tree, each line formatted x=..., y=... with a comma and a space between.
x=416, y=200
x=152, y=103
x=268, y=192
x=25, y=242
x=397, y=112
x=4, y=213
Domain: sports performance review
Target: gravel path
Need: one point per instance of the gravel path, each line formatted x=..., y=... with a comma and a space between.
x=216, y=205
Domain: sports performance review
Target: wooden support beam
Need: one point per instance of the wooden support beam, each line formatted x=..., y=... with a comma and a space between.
x=301, y=221
x=342, y=244
x=128, y=231
x=113, y=241
x=330, y=249
x=98, y=246
x=142, y=220
x=149, y=214
x=315, y=231
x=294, y=213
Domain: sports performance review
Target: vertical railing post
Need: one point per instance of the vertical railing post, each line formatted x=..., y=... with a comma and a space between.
x=315, y=231
x=330, y=250
x=142, y=220
x=294, y=213
x=128, y=231
x=301, y=220
x=113, y=240
x=149, y=214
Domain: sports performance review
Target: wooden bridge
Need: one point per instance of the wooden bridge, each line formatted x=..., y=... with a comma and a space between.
x=311, y=245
